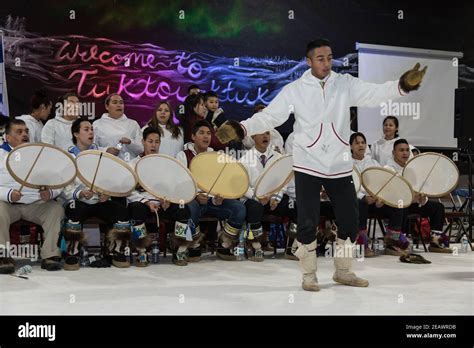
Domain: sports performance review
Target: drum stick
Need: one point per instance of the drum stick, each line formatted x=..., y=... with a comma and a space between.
x=31, y=169
x=96, y=170
x=157, y=218
x=388, y=181
x=424, y=182
x=215, y=181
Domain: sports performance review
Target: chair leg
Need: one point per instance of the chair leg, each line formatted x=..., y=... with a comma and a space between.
x=382, y=227
x=374, y=229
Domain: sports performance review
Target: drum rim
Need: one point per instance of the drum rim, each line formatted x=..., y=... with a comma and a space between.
x=360, y=178
x=441, y=155
x=383, y=200
x=162, y=197
x=99, y=189
x=24, y=183
x=287, y=180
x=213, y=153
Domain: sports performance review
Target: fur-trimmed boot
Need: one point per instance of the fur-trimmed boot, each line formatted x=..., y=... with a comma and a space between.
x=227, y=241
x=141, y=241
x=255, y=235
x=363, y=240
x=439, y=243
x=306, y=254
x=225, y=248
x=396, y=243
x=119, y=240
x=256, y=252
x=7, y=264
x=74, y=237
x=194, y=250
x=180, y=243
x=343, y=257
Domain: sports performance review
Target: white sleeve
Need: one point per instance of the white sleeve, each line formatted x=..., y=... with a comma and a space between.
x=181, y=157
x=97, y=137
x=370, y=94
x=250, y=191
x=5, y=193
x=136, y=196
x=47, y=134
x=375, y=152
x=275, y=114
x=278, y=141
x=289, y=143
x=137, y=135
x=71, y=191
x=279, y=195
x=290, y=189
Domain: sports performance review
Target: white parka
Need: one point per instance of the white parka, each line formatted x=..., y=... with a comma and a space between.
x=322, y=119
x=108, y=131
x=251, y=161
x=57, y=131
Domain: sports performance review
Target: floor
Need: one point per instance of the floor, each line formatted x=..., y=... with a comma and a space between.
x=272, y=287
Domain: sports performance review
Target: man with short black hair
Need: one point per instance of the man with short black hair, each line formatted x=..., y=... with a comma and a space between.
x=28, y=204
x=320, y=100
x=421, y=205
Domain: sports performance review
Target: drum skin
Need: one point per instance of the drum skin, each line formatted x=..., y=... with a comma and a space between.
x=41, y=165
x=431, y=173
x=274, y=177
x=386, y=185
x=166, y=178
x=219, y=174
x=113, y=176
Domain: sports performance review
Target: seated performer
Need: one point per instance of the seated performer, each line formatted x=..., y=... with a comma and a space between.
x=255, y=161
x=32, y=205
x=116, y=133
x=369, y=204
x=230, y=209
x=421, y=205
x=82, y=204
x=276, y=142
x=57, y=131
x=40, y=105
x=142, y=204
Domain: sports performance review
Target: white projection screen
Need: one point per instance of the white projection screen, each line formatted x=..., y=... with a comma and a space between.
x=426, y=116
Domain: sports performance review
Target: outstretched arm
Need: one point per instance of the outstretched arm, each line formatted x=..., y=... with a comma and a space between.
x=372, y=94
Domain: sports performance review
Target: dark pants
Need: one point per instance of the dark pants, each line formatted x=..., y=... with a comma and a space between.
x=394, y=215
x=141, y=212
x=109, y=211
x=255, y=210
x=432, y=210
x=231, y=209
x=326, y=210
x=341, y=192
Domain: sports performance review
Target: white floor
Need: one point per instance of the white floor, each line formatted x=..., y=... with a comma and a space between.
x=271, y=287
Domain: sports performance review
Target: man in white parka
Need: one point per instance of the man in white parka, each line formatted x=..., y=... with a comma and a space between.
x=116, y=133
x=320, y=100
